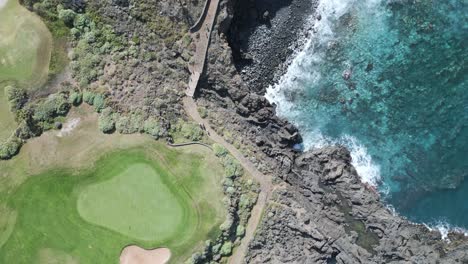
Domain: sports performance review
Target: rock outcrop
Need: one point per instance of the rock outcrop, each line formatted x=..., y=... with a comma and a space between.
x=321, y=213
x=324, y=214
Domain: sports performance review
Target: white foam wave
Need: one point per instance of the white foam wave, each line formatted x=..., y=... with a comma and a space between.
x=362, y=161
x=444, y=229
x=302, y=71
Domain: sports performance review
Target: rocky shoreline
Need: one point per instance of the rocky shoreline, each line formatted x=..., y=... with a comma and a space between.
x=320, y=211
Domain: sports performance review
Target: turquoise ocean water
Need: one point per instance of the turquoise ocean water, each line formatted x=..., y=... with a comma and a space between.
x=388, y=79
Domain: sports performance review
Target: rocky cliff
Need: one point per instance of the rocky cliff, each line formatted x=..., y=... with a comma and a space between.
x=320, y=211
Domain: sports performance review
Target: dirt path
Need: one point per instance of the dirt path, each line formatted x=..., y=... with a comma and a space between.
x=201, y=39
x=201, y=36
x=264, y=180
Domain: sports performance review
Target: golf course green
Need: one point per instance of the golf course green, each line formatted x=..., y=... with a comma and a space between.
x=149, y=195
x=155, y=201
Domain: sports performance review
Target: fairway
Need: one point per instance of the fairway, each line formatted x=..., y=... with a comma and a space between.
x=141, y=193
x=129, y=201
x=25, y=50
x=25, y=46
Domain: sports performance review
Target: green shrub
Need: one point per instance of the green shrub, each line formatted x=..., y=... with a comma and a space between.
x=219, y=150
x=129, y=124
x=99, y=102
x=88, y=97
x=152, y=128
x=27, y=130
x=62, y=105
x=75, y=98
x=216, y=248
x=232, y=167
x=10, y=148
x=192, y=131
x=226, y=249
x=81, y=22
x=16, y=96
x=107, y=121
x=227, y=224
x=67, y=16
x=203, y=112
x=52, y=107
x=240, y=231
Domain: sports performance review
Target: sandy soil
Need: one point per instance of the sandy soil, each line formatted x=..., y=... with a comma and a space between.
x=137, y=255
x=68, y=126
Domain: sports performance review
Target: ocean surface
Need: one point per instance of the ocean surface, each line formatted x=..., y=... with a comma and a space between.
x=388, y=79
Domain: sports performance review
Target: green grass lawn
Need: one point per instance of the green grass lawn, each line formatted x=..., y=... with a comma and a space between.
x=151, y=196
x=155, y=202
x=25, y=51
x=25, y=45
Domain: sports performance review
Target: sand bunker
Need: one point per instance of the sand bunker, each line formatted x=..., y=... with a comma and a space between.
x=137, y=255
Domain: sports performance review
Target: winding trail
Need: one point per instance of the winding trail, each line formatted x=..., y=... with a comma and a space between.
x=266, y=185
x=201, y=34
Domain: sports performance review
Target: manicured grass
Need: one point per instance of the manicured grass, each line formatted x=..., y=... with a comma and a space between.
x=141, y=194
x=25, y=51
x=25, y=46
x=148, y=195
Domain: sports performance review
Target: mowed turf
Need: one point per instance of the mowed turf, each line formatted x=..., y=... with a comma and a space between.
x=142, y=195
x=25, y=51
x=149, y=195
x=25, y=45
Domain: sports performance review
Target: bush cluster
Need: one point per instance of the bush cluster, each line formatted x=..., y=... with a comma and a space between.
x=240, y=197
x=192, y=131
x=53, y=106
x=106, y=121
x=16, y=96
x=152, y=128
x=88, y=97
x=76, y=98
x=232, y=167
x=10, y=147
x=99, y=102
x=203, y=112
x=129, y=124
x=219, y=150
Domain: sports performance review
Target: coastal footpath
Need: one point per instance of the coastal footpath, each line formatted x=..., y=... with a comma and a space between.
x=319, y=212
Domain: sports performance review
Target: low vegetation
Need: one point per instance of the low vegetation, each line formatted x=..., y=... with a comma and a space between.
x=10, y=147
x=240, y=197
